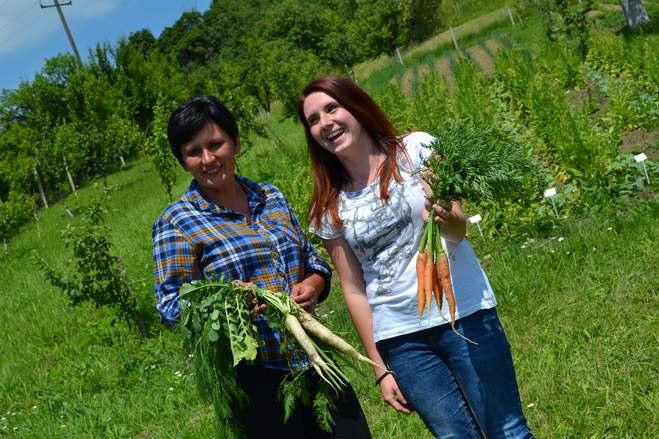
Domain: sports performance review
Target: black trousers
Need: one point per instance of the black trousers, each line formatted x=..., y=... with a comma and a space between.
x=264, y=416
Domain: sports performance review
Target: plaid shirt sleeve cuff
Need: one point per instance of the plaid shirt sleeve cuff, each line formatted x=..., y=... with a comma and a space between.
x=319, y=266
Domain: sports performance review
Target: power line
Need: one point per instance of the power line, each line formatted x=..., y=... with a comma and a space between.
x=66, y=26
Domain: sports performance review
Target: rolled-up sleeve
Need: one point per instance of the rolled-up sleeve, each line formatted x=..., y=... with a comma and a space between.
x=174, y=265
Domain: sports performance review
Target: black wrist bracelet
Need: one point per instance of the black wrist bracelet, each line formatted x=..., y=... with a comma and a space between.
x=379, y=380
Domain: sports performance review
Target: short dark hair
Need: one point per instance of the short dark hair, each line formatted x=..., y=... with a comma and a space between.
x=192, y=116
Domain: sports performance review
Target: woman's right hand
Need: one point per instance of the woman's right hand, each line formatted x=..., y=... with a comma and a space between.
x=393, y=396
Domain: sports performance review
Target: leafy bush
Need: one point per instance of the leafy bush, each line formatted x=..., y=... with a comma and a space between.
x=431, y=104
x=14, y=212
x=515, y=69
x=158, y=150
x=631, y=58
x=629, y=106
x=623, y=179
x=98, y=277
x=397, y=107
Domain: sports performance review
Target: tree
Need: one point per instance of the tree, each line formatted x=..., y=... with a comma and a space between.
x=142, y=41
x=186, y=40
x=281, y=70
x=380, y=26
x=157, y=147
x=98, y=276
x=15, y=210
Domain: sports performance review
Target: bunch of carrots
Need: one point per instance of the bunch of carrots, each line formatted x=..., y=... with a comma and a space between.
x=472, y=162
x=433, y=272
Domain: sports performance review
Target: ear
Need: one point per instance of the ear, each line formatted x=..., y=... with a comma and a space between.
x=237, y=144
x=182, y=161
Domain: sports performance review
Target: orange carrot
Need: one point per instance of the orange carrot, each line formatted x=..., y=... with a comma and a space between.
x=420, y=294
x=428, y=280
x=445, y=280
x=437, y=287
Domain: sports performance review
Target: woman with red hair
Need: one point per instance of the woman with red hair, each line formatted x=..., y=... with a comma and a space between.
x=368, y=207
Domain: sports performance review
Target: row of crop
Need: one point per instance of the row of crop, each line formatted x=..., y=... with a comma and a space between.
x=578, y=147
x=620, y=70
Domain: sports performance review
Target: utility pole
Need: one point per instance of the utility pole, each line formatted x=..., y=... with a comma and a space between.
x=66, y=26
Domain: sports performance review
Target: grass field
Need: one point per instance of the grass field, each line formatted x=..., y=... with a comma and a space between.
x=579, y=309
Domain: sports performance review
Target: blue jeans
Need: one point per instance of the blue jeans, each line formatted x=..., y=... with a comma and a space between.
x=459, y=389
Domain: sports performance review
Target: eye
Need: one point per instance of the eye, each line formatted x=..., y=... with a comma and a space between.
x=312, y=120
x=192, y=152
x=216, y=145
x=331, y=108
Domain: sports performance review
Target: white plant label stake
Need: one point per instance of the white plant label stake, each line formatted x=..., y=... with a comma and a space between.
x=455, y=42
x=400, y=58
x=641, y=158
x=510, y=15
x=475, y=220
x=551, y=193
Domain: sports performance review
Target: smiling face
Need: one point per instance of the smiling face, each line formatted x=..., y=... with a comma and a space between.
x=331, y=125
x=211, y=158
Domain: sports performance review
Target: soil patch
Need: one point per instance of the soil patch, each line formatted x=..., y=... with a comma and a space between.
x=421, y=72
x=577, y=98
x=444, y=69
x=406, y=82
x=482, y=58
x=610, y=7
x=493, y=45
x=641, y=140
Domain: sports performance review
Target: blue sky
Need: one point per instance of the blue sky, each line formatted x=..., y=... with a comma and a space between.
x=30, y=34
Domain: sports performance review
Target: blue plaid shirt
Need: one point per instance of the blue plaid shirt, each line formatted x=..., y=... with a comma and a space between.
x=194, y=239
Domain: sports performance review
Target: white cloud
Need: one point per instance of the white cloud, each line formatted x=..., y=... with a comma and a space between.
x=24, y=23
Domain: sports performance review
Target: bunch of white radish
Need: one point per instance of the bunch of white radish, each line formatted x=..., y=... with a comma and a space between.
x=217, y=320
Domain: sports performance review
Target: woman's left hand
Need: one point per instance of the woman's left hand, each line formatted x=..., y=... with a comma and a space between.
x=442, y=213
x=305, y=295
x=450, y=217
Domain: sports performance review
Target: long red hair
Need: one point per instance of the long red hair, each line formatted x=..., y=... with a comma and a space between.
x=329, y=175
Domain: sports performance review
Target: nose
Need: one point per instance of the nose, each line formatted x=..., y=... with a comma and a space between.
x=325, y=120
x=207, y=156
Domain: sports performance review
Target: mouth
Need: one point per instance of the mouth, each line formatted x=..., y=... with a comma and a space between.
x=334, y=134
x=211, y=173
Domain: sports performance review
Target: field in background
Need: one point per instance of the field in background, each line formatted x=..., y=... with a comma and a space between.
x=472, y=27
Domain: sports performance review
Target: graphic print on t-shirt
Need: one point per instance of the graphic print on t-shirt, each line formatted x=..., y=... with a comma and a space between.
x=382, y=234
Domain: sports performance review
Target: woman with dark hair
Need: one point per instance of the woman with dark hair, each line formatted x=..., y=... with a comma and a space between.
x=368, y=207
x=227, y=225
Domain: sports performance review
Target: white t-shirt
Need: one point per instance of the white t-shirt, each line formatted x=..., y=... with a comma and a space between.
x=385, y=237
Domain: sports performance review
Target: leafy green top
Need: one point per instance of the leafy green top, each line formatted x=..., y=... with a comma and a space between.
x=476, y=163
